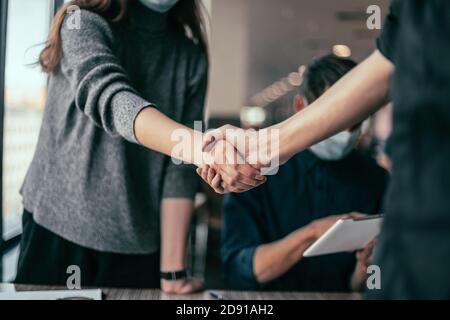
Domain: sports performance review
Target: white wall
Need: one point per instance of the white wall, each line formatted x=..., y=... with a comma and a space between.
x=229, y=52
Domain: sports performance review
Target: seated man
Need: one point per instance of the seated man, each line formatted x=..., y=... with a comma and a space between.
x=266, y=230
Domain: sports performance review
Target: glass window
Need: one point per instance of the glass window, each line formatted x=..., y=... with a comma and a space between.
x=25, y=94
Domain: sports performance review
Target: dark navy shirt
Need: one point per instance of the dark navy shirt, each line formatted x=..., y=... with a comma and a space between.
x=305, y=189
x=414, y=245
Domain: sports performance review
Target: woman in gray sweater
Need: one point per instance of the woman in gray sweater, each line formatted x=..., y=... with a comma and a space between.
x=95, y=196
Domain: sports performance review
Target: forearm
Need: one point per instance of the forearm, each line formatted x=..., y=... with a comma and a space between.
x=351, y=100
x=176, y=217
x=274, y=259
x=158, y=132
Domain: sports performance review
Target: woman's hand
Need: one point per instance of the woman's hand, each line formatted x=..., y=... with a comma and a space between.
x=212, y=178
x=183, y=286
x=175, y=224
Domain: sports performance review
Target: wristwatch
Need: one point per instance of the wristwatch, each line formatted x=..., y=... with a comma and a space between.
x=174, y=275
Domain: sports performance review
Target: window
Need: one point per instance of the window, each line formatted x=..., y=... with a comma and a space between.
x=25, y=92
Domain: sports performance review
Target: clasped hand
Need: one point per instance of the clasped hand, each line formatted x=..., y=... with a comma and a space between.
x=234, y=160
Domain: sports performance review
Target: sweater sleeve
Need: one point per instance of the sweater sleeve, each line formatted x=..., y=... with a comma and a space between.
x=181, y=180
x=99, y=82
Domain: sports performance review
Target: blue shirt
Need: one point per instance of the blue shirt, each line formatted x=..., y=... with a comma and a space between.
x=304, y=190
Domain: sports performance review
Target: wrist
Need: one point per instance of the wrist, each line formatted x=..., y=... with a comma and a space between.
x=306, y=236
x=197, y=150
x=175, y=275
x=286, y=150
x=174, y=261
x=312, y=232
x=169, y=266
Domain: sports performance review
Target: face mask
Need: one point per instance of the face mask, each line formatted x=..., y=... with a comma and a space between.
x=337, y=147
x=160, y=6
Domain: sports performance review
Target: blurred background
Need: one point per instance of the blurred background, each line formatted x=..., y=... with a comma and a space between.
x=259, y=49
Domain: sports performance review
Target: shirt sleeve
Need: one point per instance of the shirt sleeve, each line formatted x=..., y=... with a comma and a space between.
x=386, y=42
x=102, y=90
x=181, y=180
x=242, y=233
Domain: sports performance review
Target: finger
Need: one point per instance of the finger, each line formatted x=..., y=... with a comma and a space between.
x=212, y=136
x=204, y=175
x=191, y=286
x=357, y=215
x=251, y=173
x=215, y=183
x=369, y=246
x=200, y=173
x=229, y=188
x=208, y=143
x=251, y=182
x=359, y=255
x=236, y=183
x=211, y=173
x=233, y=177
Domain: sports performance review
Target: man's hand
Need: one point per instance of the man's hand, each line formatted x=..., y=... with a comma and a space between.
x=363, y=260
x=364, y=256
x=184, y=286
x=319, y=227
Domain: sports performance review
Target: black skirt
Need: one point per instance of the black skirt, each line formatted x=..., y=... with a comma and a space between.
x=47, y=259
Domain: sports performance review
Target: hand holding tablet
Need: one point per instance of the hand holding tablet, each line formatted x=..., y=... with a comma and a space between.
x=346, y=235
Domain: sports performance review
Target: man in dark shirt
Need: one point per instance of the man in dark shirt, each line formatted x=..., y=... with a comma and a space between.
x=266, y=230
x=414, y=248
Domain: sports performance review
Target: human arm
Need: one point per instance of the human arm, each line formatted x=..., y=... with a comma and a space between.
x=252, y=257
x=176, y=217
x=102, y=91
x=351, y=100
x=273, y=259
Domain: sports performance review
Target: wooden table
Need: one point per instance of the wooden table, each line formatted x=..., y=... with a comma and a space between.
x=146, y=294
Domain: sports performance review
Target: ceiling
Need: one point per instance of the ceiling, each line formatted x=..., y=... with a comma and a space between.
x=258, y=42
x=284, y=34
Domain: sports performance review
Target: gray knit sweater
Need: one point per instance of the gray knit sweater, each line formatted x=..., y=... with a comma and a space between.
x=89, y=181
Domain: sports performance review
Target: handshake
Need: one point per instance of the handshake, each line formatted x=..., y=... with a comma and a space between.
x=237, y=160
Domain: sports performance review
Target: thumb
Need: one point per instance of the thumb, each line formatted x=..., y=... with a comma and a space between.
x=210, y=137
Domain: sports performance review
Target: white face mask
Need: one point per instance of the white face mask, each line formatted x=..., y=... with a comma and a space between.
x=160, y=6
x=337, y=147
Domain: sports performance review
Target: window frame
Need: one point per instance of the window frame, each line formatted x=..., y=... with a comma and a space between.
x=12, y=242
x=3, y=27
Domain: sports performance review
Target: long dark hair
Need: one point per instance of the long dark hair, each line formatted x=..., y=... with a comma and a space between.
x=186, y=16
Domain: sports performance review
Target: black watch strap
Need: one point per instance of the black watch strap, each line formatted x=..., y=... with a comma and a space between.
x=174, y=275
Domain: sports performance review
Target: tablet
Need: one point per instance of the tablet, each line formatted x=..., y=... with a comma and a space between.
x=346, y=235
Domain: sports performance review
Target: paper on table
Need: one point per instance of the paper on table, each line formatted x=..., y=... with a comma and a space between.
x=53, y=295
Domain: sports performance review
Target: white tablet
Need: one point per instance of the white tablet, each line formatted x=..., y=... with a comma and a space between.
x=346, y=235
